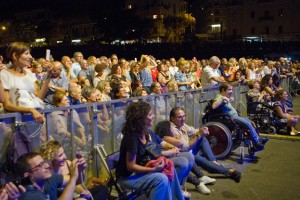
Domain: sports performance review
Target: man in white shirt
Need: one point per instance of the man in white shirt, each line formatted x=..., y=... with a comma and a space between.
x=173, y=68
x=269, y=68
x=75, y=67
x=210, y=75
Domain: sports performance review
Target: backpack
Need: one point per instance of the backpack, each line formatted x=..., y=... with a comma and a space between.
x=19, y=144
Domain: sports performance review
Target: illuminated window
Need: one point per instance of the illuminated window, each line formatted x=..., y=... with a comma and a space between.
x=154, y=16
x=129, y=6
x=40, y=39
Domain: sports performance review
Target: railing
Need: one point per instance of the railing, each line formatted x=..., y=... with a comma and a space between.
x=109, y=134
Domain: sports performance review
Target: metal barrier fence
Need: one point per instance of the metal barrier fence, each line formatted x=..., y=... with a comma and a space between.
x=85, y=120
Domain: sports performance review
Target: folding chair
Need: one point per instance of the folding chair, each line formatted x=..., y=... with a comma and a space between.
x=110, y=163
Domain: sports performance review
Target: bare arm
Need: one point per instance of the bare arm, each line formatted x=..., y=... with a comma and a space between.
x=42, y=92
x=218, y=79
x=177, y=142
x=13, y=108
x=70, y=181
x=201, y=132
x=270, y=91
x=1, y=92
x=280, y=113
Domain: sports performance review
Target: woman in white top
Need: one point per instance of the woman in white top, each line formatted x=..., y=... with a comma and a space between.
x=250, y=72
x=21, y=91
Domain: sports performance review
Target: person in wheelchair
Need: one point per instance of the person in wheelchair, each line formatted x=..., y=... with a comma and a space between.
x=188, y=138
x=254, y=96
x=284, y=113
x=222, y=104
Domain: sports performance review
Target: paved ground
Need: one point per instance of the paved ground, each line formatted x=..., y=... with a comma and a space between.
x=274, y=174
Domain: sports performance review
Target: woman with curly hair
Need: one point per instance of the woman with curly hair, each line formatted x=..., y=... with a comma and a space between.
x=130, y=171
x=267, y=85
x=55, y=154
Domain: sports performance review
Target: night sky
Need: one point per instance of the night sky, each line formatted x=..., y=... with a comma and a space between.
x=60, y=7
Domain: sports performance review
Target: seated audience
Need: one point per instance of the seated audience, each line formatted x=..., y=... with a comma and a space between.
x=45, y=184
x=60, y=128
x=53, y=152
x=188, y=138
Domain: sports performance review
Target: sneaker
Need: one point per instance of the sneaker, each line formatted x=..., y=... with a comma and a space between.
x=202, y=189
x=186, y=194
x=259, y=147
x=207, y=180
x=236, y=176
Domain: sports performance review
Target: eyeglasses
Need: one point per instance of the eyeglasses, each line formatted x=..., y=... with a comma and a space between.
x=42, y=164
x=180, y=117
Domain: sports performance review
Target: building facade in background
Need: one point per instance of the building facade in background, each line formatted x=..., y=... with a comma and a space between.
x=248, y=20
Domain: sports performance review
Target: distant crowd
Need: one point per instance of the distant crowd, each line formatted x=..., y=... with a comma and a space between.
x=28, y=85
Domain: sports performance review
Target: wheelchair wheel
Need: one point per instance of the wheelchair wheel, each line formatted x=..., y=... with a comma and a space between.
x=219, y=138
x=272, y=130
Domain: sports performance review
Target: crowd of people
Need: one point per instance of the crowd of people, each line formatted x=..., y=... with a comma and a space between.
x=29, y=85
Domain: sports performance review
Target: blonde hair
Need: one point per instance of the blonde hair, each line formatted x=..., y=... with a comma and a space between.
x=49, y=149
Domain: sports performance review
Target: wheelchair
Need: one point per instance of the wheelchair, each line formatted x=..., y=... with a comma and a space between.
x=264, y=118
x=225, y=135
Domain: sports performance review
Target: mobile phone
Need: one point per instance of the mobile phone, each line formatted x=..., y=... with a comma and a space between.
x=78, y=155
x=48, y=54
x=24, y=181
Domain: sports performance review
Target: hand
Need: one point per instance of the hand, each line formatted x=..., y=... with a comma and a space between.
x=79, y=141
x=203, y=131
x=81, y=163
x=49, y=69
x=3, y=195
x=13, y=191
x=74, y=173
x=84, y=140
x=176, y=151
x=38, y=117
x=159, y=166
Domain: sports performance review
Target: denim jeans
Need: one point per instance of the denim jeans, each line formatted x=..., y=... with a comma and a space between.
x=245, y=123
x=204, y=158
x=183, y=165
x=154, y=185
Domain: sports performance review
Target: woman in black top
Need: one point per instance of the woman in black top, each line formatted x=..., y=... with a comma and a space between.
x=130, y=171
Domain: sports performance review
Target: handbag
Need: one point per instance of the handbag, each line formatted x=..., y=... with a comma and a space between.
x=28, y=99
x=153, y=151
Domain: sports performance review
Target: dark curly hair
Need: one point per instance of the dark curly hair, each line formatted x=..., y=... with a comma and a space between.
x=136, y=115
x=265, y=81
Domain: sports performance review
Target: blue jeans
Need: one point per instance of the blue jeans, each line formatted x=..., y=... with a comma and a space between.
x=183, y=165
x=154, y=185
x=204, y=157
x=245, y=123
